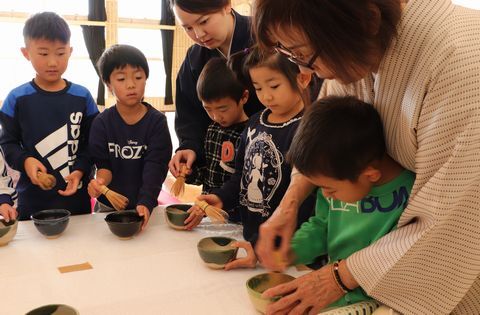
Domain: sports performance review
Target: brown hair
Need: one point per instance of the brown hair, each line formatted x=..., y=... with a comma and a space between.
x=199, y=6
x=342, y=32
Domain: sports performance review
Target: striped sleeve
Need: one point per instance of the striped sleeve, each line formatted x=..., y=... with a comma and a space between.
x=7, y=192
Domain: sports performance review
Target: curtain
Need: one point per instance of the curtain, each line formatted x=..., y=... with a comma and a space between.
x=94, y=37
x=167, y=18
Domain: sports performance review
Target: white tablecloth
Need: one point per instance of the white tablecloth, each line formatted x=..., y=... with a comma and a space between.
x=157, y=272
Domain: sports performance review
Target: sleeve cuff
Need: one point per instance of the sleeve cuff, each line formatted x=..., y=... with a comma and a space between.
x=103, y=164
x=4, y=198
x=227, y=199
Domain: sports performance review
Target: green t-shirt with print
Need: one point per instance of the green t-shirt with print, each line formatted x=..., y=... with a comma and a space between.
x=340, y=229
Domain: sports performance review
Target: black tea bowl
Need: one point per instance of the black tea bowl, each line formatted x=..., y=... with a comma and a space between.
x=51, y=223
x=54, y=309
x=124, y=224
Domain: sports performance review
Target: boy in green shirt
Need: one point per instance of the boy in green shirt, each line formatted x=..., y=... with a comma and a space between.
x=340, y=147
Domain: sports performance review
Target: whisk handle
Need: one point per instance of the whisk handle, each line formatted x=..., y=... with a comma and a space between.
x=104, y=189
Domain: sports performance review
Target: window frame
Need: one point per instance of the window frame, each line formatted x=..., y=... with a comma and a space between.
x=112, y=24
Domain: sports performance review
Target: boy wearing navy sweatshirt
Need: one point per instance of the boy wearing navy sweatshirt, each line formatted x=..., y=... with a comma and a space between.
x=45, y=123
x=129, y=142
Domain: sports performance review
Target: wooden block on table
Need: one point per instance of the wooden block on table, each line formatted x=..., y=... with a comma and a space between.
x=77, y=267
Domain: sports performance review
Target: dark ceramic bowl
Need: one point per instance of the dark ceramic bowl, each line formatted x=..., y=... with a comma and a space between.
x=54, y=309
x=7, y=231
x=175, y=215
x=51, y=223
x=258, y=284
x=216, y=251
x=124, y=224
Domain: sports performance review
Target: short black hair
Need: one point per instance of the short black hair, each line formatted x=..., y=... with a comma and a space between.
x=217, y=80
x=255, y=57
x=200, y=6
x=46, y=25
x=119, y=56
x=338, y=137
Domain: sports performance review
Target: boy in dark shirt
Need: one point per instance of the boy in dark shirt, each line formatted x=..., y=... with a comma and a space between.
x=46, y=121
x=129, y=142
x=223, y=97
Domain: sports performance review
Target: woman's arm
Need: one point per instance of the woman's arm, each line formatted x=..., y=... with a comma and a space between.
x=282, y=223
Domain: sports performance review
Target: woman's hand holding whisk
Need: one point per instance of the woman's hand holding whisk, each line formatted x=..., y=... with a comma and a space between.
x=187, y=157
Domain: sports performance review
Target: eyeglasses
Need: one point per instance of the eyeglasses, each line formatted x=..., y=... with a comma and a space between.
x=293, y=58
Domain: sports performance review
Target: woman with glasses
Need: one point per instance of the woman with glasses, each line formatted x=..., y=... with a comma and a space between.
x=218, y=31
x=419, y=64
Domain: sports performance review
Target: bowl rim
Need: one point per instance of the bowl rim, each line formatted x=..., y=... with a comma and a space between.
x=112, y=214
x=8, y=224
x=53, y=304
x=222, y=248
x=66, y=213
x=258, y=294
x=169, y=207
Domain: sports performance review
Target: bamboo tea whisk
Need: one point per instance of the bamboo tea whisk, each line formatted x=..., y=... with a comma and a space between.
x=178, y=187
x=46, y=181
x=215, y=214
x=118, y=201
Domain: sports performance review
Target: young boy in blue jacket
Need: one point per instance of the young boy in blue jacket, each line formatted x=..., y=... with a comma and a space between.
x=46, y=121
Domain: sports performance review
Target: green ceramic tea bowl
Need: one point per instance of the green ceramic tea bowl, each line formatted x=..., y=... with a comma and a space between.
x=258, y=284
x=216, y=251
x=7, y=231
x=176, y=214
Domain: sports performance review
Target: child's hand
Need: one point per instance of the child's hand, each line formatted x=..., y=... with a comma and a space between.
x=181, y=156
x=94, y=187
x=8, y=212
x=212, y=200
x=73, y=179
x=143, y=212
x=195, y=217
x=250, y=261
x=32, y=166
x=197, y=214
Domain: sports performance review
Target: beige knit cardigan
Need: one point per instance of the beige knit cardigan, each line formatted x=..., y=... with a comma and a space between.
x=427, y=91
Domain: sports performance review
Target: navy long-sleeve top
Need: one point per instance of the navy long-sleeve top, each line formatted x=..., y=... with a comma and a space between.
x=262, y=175
x=137, y=155
x=191, y=120
x=52, y=127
